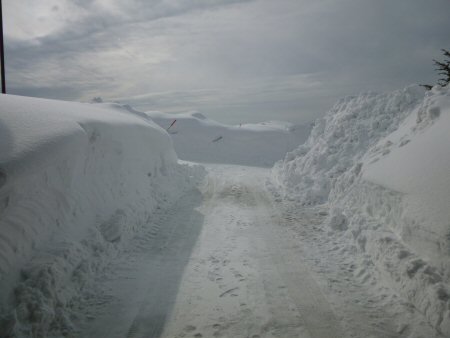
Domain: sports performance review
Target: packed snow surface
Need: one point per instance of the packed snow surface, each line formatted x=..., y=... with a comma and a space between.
x=196, y=138
x=381, y=163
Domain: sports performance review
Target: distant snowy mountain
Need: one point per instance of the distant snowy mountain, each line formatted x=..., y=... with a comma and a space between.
x=196, y=138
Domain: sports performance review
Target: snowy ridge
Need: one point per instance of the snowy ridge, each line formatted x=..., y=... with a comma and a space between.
x=196, y=138
x=338, y=140
x=76, y=181
x=381, y=164
x=415, y=162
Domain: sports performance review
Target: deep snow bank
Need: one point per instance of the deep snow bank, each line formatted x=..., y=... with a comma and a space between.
x=76, y=181
x=415, y=160
x=339, y=140
x=382, y=164
x=199, y=139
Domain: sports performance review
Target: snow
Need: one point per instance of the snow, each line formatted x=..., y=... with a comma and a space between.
x=247, y=285
x=417, y=165
x=380, y=163
x=77, y=181
x=337, y=142
x=105, y=232
x=197, y=138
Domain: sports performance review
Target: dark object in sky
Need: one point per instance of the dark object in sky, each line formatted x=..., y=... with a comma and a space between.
x=218, y=139
x=2, y=51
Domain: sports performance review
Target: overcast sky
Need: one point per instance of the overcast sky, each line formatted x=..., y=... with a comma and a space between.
x=235, y=61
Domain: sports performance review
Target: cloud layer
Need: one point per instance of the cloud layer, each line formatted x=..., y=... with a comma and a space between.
x=234, y=60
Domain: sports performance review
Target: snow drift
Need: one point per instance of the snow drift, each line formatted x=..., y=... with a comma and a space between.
x=199, y=139
x=76, y=181
x=381, y=162
x=337, y=142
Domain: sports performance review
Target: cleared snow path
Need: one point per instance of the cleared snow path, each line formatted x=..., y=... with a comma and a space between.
x=226, y=262
x=241, y=280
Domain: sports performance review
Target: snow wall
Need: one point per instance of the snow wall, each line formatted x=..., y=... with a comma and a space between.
x=199, y=139
x=382, y=164
x=76, y=181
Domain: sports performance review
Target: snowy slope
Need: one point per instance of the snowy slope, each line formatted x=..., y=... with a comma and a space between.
x=381, y=163
x=339, y=140
x=76, y=181
x=416, y=163
x=199, y=139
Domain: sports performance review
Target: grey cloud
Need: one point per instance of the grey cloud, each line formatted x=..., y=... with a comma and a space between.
x=234, y=59
x=129, y=12
x=60, y=93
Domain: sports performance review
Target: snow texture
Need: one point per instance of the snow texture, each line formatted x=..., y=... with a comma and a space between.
x=199, y=139
x=381, y=163
x=338, y=141
x=76, y=181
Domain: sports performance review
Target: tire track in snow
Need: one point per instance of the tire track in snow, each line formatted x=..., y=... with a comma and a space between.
x=316, y=313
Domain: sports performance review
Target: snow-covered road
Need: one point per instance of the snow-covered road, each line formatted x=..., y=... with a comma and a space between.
x=243, y=279
x=226, y=262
